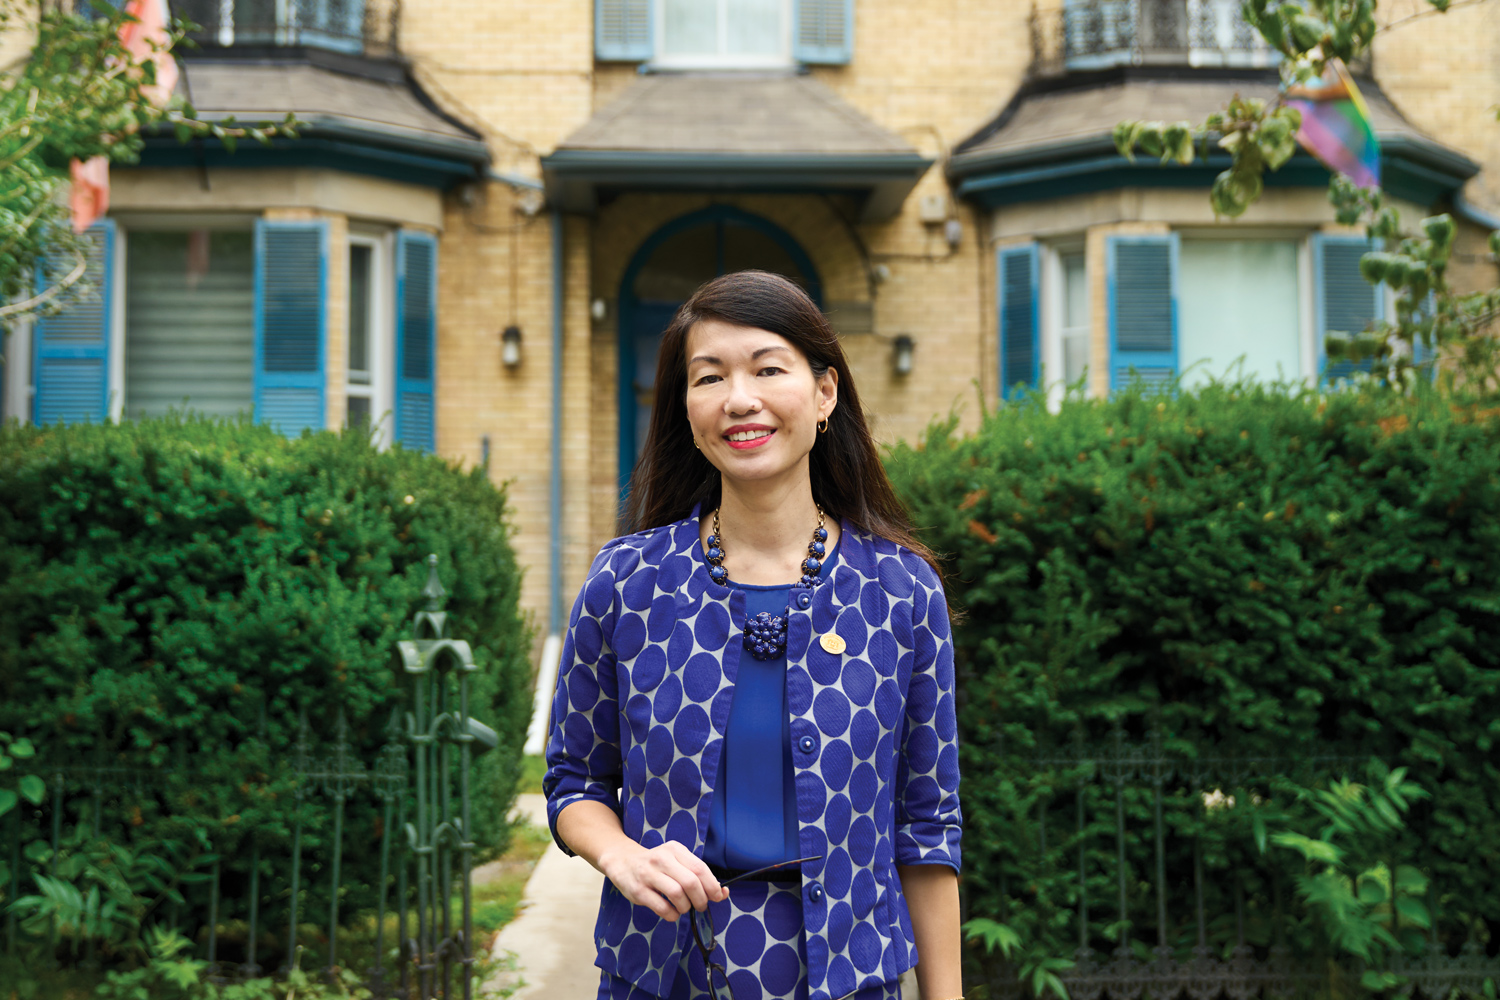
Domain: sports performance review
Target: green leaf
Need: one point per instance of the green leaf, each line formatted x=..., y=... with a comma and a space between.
x=184, y=975
x=1387, y=812
x=1125, y=136
x=992, y=935
x=1235, y=190
x=1269, y=27
x=1374, y=266
x=22, y=748
x=1413, y=911
x=33, y=789
x=1371, y=891
x=1379, y=981
x=8, y=800
x=1410, y=880
x=1440, y=230
x=1309, y=848
x=1307, y=31
x=1177, y=143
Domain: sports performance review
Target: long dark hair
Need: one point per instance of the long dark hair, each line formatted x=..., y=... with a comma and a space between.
x=848, y=480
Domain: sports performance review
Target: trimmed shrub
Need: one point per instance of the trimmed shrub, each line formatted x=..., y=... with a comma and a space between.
x=1243, y=569
x=174, y=593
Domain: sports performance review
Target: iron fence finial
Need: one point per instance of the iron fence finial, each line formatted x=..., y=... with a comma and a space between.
x=434, y=591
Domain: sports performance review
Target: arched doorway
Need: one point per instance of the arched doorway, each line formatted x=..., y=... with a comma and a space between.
x=669, y=267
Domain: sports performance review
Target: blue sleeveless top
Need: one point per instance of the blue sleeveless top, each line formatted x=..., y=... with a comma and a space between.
x=753, y=817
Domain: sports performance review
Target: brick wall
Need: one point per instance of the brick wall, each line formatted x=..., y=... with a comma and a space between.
x=522, y=73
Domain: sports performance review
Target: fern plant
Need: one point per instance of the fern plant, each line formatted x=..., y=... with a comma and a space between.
x=1365, y=904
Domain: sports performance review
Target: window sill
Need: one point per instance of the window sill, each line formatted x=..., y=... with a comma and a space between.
x=687, y=64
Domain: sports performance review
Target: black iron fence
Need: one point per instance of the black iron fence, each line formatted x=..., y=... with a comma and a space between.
x=356, y=26
x=275, y=870
x=1094, y=34
x=1146, y=849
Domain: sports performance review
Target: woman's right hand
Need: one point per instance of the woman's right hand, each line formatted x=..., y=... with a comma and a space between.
x=668, y=879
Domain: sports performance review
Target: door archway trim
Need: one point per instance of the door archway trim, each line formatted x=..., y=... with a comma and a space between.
x=625, y=332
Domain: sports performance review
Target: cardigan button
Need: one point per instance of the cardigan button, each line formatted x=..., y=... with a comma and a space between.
x=807, y=744
x=804, y=601
x=815, y=892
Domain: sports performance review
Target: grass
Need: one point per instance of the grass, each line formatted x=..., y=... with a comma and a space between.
x=533, y=767
x=495, y=901
x=496, y=896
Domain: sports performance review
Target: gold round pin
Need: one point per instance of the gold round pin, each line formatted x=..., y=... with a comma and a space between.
x=832, y=642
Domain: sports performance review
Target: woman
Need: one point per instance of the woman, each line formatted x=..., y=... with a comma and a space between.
x=761, y=678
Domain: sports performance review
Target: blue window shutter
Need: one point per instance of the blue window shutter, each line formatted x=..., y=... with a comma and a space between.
x=70, y=356
x=416, y=340
x=1020, y=326
x=1346, y=302
x=1142, y=277
x=823, y=31
x=622, y=30
x=291, y=324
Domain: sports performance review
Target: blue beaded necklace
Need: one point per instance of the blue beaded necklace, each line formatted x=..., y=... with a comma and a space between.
x=765, y=634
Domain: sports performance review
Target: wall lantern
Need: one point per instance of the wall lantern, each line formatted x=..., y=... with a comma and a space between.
x=901, y=354
x=510, y=346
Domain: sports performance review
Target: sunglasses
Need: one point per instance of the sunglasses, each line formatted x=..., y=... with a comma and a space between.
x=704, y=937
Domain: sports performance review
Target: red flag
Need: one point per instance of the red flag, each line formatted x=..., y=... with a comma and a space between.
x=146, y=39
x=90, y=198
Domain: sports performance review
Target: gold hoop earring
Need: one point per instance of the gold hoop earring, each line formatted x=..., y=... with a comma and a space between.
x=823, y=426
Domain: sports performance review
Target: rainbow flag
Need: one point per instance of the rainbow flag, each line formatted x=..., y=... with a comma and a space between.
x=1336, y=124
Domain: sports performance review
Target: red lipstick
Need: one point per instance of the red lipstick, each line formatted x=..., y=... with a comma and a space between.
x=761, y=433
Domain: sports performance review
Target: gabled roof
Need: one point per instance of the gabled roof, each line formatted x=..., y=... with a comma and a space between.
x=733, y=131
x=1067, y=123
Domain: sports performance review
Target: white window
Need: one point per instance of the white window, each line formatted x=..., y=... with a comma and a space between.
x=368, y=346
x=707, y=34
x=1076, y=322
x=184, y=321
x=1240, y=308
x=1066, y=320
x=1241, y=305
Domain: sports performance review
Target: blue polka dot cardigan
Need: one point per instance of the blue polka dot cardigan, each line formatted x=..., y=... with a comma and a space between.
x=638, y=720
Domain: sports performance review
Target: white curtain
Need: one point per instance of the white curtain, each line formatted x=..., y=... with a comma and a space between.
x=189, y=322
x=1239, y=299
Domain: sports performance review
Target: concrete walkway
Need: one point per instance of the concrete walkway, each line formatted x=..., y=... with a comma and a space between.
x=552, y=938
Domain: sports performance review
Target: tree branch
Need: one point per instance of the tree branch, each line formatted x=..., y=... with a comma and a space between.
x=1427, y=13
x=43, y=298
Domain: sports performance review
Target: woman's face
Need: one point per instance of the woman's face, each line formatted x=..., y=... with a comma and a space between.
x=753, y=400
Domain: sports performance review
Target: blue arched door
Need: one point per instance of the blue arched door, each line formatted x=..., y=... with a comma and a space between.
x=669, y=267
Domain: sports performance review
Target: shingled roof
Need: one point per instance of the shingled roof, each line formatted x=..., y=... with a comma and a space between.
x=728, y=131
x=1072, y=120
x=751, y=113
x=330, y=94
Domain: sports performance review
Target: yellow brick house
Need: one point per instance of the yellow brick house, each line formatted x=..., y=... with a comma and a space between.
x=495, y=206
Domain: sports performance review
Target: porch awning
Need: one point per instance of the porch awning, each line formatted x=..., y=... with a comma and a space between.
x=745, y=132
x=1055, y=139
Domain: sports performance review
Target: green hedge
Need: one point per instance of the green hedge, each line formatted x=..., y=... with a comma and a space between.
x=164, y=584
x=1240, y=567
